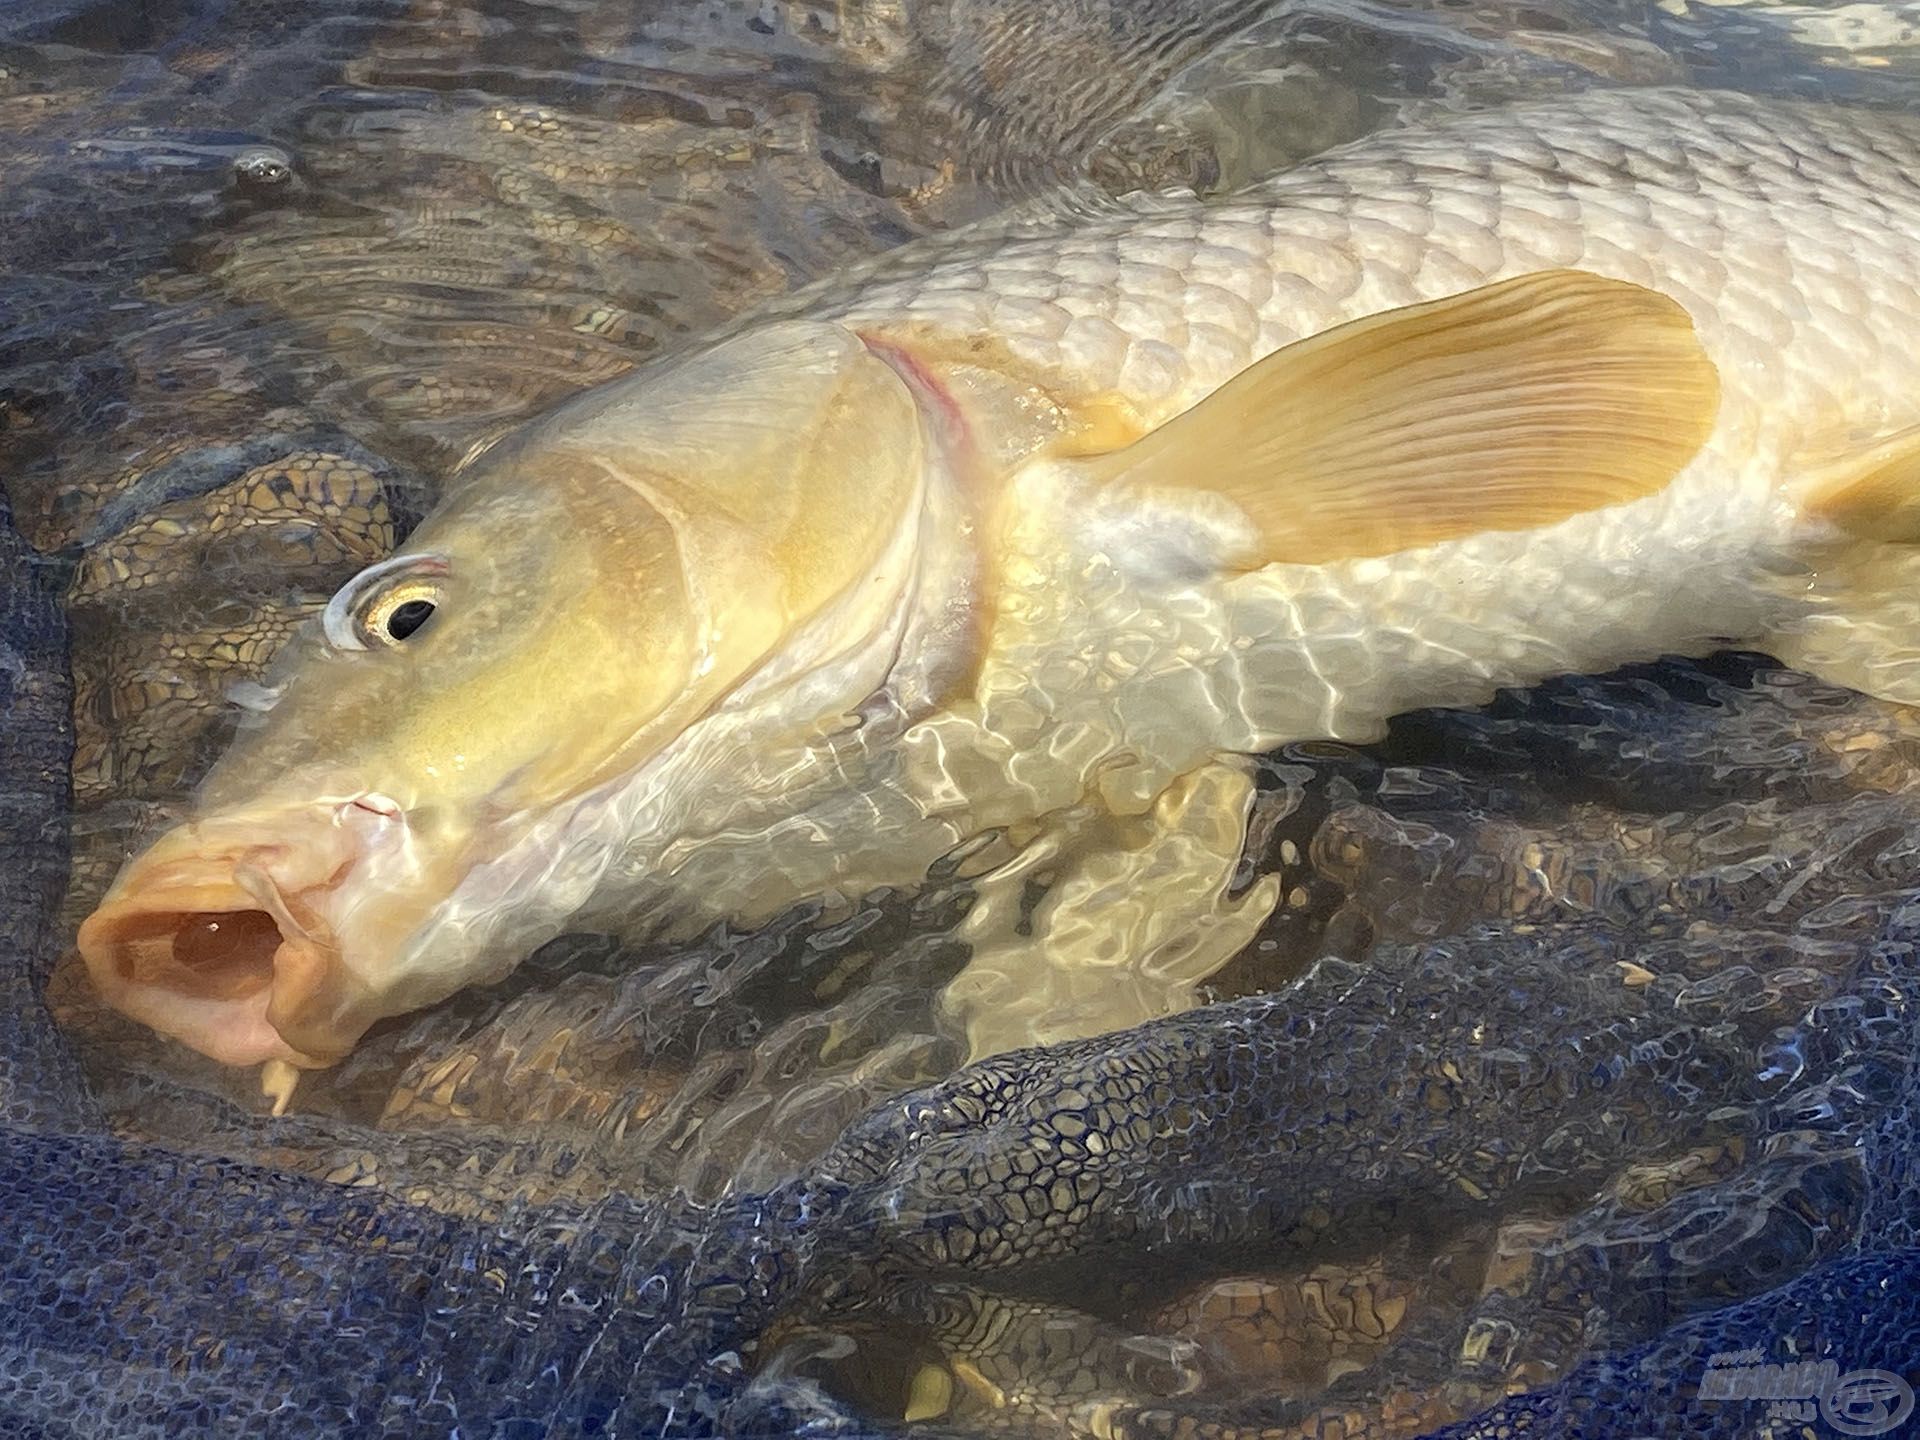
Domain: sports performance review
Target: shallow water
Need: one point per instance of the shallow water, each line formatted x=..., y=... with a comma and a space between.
x=271, y=270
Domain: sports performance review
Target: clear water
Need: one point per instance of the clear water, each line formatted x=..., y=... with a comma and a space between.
x=246, y=245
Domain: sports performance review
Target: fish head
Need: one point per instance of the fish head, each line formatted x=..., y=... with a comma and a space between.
x=591, y=590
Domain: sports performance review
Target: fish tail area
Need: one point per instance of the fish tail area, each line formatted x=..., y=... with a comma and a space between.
x=1856, y=620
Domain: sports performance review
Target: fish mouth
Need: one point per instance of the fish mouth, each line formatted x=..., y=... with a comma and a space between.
x=228, y=948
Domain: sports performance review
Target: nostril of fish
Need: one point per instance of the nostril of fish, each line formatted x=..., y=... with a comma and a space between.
x=384, y=806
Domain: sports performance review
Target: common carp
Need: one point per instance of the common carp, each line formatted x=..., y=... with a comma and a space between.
x=1003, y=553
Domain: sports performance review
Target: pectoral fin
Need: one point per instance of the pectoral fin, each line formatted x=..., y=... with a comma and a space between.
x=1510, y=407
x=1872, y=492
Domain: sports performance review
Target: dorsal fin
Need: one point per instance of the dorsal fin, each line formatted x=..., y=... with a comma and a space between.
x=1510, y=407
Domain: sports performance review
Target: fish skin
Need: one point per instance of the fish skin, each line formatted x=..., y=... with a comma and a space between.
x=1103, y=685
x=1778, y=225
x=1790, y=233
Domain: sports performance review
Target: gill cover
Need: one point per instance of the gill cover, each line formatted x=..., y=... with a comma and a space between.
x=598, y=580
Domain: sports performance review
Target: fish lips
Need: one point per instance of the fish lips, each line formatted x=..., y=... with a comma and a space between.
x=228, y=933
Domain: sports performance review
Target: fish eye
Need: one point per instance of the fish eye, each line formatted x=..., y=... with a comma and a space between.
x=407, y=618
x=387, y=604
x=393, y=617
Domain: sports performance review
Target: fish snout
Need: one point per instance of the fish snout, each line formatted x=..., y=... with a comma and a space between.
x=227, y=934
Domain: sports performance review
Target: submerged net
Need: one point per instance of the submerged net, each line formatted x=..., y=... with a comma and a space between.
x=1589, y=1145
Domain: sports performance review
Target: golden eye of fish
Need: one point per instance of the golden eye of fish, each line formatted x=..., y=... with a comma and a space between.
x=386, y=604
x=391, y=617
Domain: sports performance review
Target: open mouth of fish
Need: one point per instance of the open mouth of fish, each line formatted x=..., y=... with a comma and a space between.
x=204, y=974
x=233, y=945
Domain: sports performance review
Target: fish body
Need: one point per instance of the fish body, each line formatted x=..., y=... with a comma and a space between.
x=1005, y=545
x=1791, y=236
